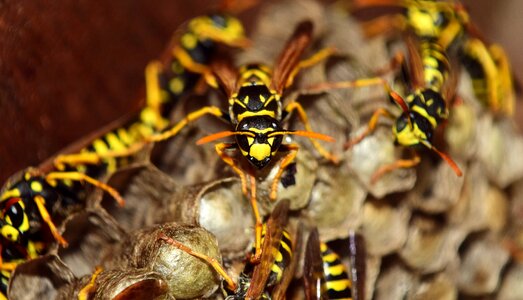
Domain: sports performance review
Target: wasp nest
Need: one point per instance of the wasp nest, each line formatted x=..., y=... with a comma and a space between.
x=429, y=234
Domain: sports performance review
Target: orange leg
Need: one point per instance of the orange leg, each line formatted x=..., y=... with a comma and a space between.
x=258, y=225
x=212, y=110
x=304, y=119
x=220, y=149
x=371, y=126
x=402, y=163
x=309, y=62
x=284, y=162
x=40, y=203
x=77, y=176
x=94, y=158
x=210, y=260
x=85, y=292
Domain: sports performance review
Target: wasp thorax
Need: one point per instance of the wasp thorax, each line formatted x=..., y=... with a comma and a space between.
x=260, y=141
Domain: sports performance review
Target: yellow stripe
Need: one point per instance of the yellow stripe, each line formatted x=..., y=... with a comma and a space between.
x=256, y=114
x=339, y=285
x=335, y=270
x=114, y=142
x=276, y=269
x=330, y=257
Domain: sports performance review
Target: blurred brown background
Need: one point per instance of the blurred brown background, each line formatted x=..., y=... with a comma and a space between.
x=69, y=67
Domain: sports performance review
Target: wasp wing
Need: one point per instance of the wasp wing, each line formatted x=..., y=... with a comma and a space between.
x=288, y=60
x=225, y=74
x=279, y=290
x=271, y=243
x=358, y=267
x=313, y=267
x=415, y=62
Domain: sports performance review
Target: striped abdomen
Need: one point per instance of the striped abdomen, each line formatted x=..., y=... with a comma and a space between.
x=338, y=284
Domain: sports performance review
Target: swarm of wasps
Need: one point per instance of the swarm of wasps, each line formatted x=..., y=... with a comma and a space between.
x=303, y=198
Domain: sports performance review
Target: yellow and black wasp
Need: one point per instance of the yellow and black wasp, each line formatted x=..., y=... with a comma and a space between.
x=424, y=108
x=448, y=24
x=167, y=80
x=326, y=277
x=276, y=266
x=40, y=196
x=256, y=114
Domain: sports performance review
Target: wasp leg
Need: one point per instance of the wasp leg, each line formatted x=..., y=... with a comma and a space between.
x=476, y=50
x=86, y=291
x=371, y=126
x=325, y=86
x=94, y=158
x=506, y=88
x=258, y=223
x=449, y=34
x=77, y=176
x=309, y=62
x=213, y=110
x=9, y=266
x=220, y=149
x=210, y=260
x=399, y=164
x=304, y=119
x=40, y=203
x=284, y=162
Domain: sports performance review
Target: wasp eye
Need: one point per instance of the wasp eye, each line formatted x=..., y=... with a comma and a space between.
x=15, y=215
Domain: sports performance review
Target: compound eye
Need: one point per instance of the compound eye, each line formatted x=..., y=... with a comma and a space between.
x=14, y=214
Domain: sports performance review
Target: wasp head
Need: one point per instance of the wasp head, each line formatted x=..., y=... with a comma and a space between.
x=261, y=140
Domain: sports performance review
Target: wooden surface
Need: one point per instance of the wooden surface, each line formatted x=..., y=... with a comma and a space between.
x=69, y=67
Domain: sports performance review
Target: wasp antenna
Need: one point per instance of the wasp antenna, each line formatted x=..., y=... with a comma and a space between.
x=309, y=134
x=399, y=100
x=447, y=158
x=219, y=135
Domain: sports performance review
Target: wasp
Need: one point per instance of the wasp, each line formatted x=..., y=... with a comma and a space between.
x=12, y=255
x=167, y=80
x=256, y=114
x=275, y=268
x=40, y=195
x=423, y=109
x=325, y=276
x=448, y=24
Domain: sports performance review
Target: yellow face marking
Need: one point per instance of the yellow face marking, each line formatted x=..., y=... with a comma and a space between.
x=409, y=136
x=260, y=151
x=10, y=233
